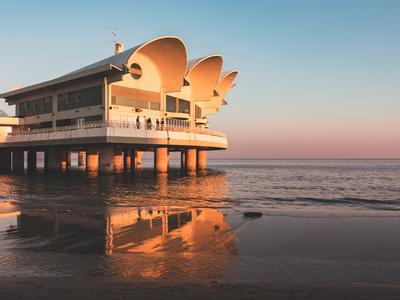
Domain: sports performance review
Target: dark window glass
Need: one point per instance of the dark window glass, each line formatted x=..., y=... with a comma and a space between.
x=197, y=112
x=171, y=104
x=36, y=107
x=184, y=106
x=93, y=118
x=21, y=109
x=46, y=124
x=64, y=122
x=81, y=98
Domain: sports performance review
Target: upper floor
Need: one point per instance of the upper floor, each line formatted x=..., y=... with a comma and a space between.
x=152, y=82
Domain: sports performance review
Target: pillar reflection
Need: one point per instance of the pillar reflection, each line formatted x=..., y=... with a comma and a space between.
x=137, y=242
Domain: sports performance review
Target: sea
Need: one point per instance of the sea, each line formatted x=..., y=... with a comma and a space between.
x=312, y=221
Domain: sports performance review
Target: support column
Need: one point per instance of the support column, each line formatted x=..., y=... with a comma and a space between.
x=118, y=159
x=201, y=159
x=92, y=159
x=69, y=158
x=56, y=159
x=18, y=161
x=32, y=160
x=46, y=159
x=5, y=161
x=81, y=158
x=139, y=155
x=190, y=160
x=161, y=160
x=134, y=164
x=128, y=159
x=183, y=160
x=106, y=161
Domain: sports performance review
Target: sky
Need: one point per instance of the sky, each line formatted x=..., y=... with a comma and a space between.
x=317, y=79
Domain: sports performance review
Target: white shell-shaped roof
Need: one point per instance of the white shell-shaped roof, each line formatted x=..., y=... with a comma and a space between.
x=225, y=82
x=169, y=54
x=117, y=62
x=163, y=59
x=203, y=74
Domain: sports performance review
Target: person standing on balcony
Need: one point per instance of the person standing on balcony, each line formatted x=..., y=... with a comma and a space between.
x=149, y=124
x=157, y=124
x=162, y=124
x=138, y=122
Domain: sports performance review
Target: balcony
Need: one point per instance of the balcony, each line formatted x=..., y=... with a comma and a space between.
x=173, y=133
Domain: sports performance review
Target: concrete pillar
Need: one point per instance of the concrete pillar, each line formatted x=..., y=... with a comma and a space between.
x=5, y=161
x=139, y=155
x=106, y=161
x=32, y=160
x=191, y=162
x=130, y=159
x=183, y=160
x=161, y=160
x=69, y=158
x=201, y=159
x=18, y=161
x=127, y=159
x=56, y=159
x=118, y=159
x=46, y=159
x=81, y=158
x=53, y=159
x=92, y=159
x=134, y=163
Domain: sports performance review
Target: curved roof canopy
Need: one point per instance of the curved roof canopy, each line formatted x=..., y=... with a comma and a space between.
x=225, y=82
x=202, y=76
x=170, y=57
x=168, y=53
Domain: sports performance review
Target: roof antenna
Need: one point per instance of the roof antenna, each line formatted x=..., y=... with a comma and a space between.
x=118, y=46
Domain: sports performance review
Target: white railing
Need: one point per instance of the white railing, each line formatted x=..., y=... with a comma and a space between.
x=167, y=126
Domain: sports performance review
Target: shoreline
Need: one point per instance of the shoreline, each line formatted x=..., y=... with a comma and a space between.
x=118, y=288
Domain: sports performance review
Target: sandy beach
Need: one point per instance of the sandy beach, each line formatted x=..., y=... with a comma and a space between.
x=112, y=288
x=280, y=260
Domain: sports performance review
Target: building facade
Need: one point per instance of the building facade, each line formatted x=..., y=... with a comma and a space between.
x=147, y=98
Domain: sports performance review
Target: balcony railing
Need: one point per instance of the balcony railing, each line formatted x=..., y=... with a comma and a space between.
x=169, y=126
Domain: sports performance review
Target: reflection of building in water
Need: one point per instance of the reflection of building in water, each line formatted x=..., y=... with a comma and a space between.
x=156, y=231
x=9, y=208
x=173, y=237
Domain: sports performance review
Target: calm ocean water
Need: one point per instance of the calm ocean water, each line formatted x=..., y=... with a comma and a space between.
x=341, y=214
x=271, y=184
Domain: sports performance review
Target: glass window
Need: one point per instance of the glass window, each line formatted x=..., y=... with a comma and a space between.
x=184, y=106
x=198, y=112
x=81, y=98
x=171, y=104
x=77, y=97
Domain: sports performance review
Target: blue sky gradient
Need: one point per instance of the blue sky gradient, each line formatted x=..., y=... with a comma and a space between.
x=317, y=78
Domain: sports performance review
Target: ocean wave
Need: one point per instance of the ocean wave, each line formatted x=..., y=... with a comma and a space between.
x=391, y=204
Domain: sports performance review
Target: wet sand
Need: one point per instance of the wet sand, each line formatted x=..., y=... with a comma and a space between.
x=278, y=257
x=112, y=288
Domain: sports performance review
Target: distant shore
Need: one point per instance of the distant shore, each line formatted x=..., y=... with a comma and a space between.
x=113, y=288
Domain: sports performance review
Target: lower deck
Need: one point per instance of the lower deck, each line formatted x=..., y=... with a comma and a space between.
x=116, y=132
